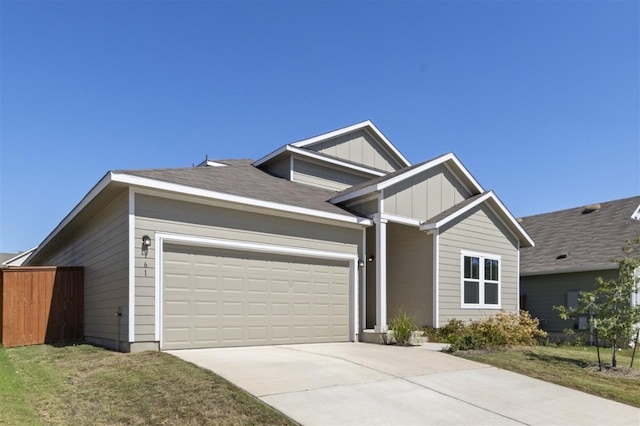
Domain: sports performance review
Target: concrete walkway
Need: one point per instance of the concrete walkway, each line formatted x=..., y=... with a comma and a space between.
x=366, y=384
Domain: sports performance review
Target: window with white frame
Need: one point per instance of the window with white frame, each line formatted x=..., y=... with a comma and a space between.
x=480, y=281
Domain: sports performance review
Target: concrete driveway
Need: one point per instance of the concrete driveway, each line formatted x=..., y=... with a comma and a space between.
x=366, y=384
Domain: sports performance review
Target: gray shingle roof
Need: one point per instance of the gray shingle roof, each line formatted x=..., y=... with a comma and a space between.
x=242, y=179
x=590, y=239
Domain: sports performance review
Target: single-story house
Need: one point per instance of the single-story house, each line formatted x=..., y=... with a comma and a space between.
x=321, y=240
x=573, y=248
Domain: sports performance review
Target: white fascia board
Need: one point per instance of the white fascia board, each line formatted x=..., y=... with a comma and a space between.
x=314, y=155
x=19, y=257
x=188, y=190
x=335, y=161
x=450, y=157
x=269, y=156
x=211, y=164
x=97, y=189
x=368, y=124
x=400, y=219
x=512, y=221
x=456, y=214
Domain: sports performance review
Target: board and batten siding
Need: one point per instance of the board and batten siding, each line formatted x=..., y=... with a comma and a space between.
x=359, y=147
x=425, y=195
x=100, y=245
x=478, y=230
x=543, y=292
x=324, y=176
x=156, y=214
x=410, y=273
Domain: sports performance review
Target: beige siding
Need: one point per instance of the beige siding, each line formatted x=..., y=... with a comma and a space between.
x=100, y=246
x=543, y=292
x=366, y=208
x=154, y=214
x=409, y=273
x=425, y=195
x=325, y=176
x=280, y=166
x=479, y=231
x=359, y=147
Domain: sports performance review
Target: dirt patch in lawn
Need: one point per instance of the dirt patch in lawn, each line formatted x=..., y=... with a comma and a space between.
x=607, y=370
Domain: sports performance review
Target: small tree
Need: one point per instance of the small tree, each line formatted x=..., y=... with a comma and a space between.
x=612, y=314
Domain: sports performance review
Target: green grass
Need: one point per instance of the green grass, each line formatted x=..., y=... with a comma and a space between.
x=88, y=385
x=14, y=398
x=570, y=366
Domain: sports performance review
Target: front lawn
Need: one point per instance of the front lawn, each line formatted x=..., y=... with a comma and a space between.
x=571, y=366
x=84, y=384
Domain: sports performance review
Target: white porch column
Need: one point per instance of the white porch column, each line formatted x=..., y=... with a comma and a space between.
x=381, y=275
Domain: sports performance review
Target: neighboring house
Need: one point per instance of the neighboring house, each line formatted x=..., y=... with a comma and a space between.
x=573, y=248
x=317, y=241
x=15, y=259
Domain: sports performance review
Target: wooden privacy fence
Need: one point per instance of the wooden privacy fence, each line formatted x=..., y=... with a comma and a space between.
x=41, y=305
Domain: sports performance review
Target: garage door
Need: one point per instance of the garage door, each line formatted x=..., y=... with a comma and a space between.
x=219, y=297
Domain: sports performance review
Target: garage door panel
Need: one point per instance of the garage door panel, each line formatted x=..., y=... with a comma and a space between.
x=218, y=297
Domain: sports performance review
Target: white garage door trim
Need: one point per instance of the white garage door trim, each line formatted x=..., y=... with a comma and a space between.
x=161, y=238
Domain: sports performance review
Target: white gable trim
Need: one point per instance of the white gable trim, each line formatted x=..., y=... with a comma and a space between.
x=316, y=156
x=476, y=187
x=19, y=259
x=511, y=221
x=335, y=161
x=636, y=214
x=97, y=189
x=188, y=190
x=368, y=124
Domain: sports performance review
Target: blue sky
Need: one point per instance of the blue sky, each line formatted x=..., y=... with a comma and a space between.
x=539, y=99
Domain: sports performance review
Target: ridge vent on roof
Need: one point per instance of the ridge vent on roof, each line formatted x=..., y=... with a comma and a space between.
x=591, y=208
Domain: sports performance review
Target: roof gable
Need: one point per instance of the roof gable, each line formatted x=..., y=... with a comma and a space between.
x=378, y=184
x=469, y=204
x=360, y=143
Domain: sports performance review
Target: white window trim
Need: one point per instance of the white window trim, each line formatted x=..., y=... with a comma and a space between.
x=482, y=256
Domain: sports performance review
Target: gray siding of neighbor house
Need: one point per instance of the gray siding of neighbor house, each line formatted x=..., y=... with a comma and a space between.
x=425, y=195
x=478, y=230
x=100, y=246
x=325, y=176
x=543, y=292
x=410, y=273
x=155, y=214
x=359, y=147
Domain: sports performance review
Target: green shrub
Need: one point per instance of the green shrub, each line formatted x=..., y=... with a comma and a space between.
x=502, y=330
x=403, y=327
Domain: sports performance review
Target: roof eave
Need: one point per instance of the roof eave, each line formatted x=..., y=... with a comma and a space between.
x=571, y=269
